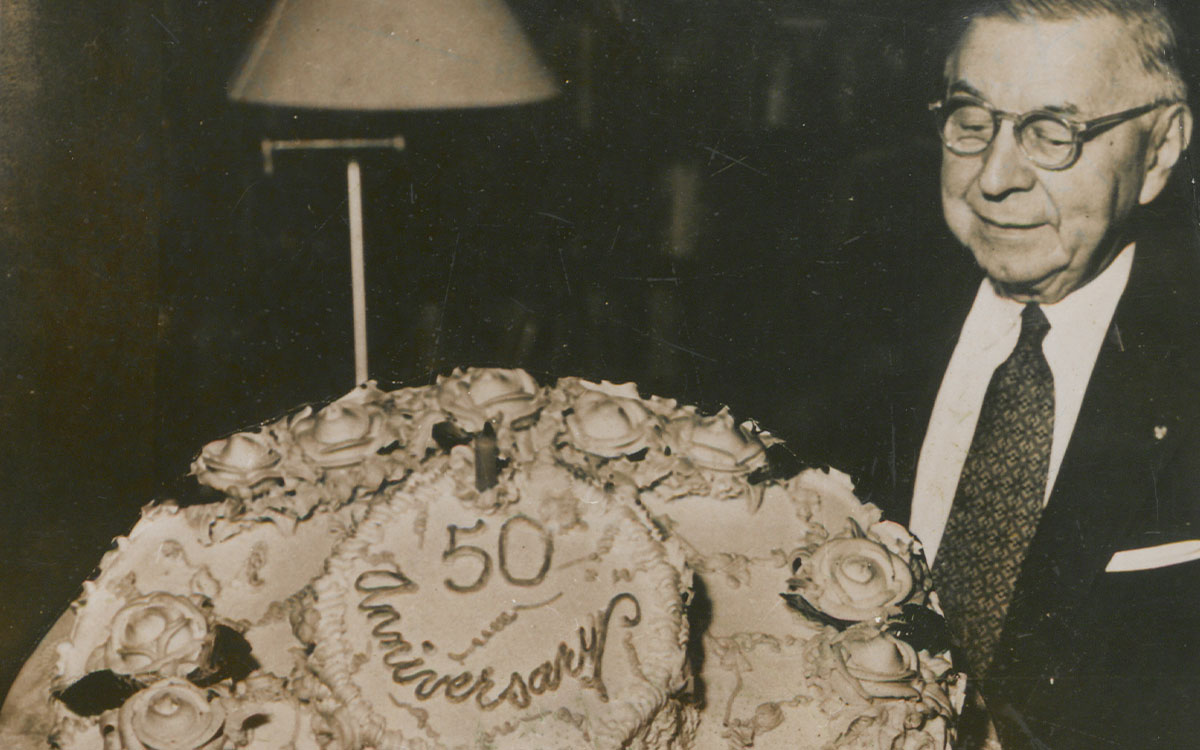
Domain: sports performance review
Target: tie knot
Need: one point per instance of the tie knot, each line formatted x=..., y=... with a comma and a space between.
x=1034, y=325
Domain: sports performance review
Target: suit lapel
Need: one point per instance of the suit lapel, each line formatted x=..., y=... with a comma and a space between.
x=1127, y=427
x=1096, y=493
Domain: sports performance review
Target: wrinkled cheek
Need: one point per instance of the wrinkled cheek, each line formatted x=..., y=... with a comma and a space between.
x=1086, y=225
x=1078, y=237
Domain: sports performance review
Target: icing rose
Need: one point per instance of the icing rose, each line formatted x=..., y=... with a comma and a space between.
x=171, y=715
x=871, y=663
x=853, y=579
x=239, y=461
x=160, y=635
x=609, y=421
x=340, y=435
x=716, y=442
x=478, y=395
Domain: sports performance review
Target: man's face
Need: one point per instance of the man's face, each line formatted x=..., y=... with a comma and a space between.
x=1038, y=233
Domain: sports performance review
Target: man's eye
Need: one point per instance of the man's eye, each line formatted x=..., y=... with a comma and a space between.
x=970, y=118
x=972, y=131
x=1054, y=140
x=1051, y=133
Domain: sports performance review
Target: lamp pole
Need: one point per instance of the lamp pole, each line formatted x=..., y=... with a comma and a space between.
x=358, y=282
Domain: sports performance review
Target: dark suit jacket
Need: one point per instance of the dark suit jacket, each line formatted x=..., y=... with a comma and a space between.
x=1088, y=659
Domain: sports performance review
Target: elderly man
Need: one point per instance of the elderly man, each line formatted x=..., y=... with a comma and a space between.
x=1044, y=436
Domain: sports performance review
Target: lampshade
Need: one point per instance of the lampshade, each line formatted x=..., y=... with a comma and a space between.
x=391, y=55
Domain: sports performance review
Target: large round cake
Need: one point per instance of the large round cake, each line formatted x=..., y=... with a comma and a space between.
x=490, y=563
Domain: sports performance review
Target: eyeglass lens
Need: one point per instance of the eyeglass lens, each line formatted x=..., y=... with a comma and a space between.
x=969, y=128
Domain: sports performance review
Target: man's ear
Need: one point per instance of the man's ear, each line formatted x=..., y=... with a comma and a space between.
x=1168, y=140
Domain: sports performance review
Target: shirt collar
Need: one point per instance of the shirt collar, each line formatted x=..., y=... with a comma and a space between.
x=1095, y=302
x=1089, y=307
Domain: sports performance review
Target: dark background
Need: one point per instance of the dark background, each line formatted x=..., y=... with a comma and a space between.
x=677, y=217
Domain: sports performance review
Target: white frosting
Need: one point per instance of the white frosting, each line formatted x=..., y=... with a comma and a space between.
x=760, y=686
x=397, y=599
x=243, y=572
x=244, y=569
x=557, y=615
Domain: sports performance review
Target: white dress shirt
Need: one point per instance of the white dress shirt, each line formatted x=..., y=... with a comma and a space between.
x=1078, y=324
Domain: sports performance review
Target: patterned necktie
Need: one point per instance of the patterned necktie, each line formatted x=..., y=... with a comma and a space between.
x=999, y=498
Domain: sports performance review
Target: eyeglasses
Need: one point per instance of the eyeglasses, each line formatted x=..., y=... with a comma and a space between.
x=1051, y=141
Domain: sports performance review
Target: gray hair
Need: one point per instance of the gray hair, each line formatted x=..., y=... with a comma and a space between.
x=1151, y=29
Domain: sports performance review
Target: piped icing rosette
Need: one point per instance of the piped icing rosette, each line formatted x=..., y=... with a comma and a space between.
x=716, y=442
x=609, y=431
x=327, y=456
x=171, y=714
x=857, y=575
x=714, y=457
x=852, y=579
x=507, y=398
x=158, y=635
x=610, y=421
x=341, y=435
x=354, y=444
x=902, y=698
x=174, y=714
x=501, y=404
x=866, y=663
x=242, y=465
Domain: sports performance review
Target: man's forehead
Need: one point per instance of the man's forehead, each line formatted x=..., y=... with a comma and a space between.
x=1065, y=107
x=1077, y=66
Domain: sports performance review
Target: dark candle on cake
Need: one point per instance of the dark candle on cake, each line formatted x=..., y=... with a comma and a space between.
x=487, y=459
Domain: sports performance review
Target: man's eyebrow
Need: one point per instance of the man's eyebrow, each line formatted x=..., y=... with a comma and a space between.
x=962, y=87
x=1062, y=109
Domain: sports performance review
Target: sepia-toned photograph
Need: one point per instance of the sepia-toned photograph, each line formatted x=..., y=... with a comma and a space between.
x=599, y=375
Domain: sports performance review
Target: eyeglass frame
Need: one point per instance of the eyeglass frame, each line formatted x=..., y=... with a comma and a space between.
x=1081, y=132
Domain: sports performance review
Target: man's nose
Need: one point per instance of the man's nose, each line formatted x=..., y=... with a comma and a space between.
x=1005, y=166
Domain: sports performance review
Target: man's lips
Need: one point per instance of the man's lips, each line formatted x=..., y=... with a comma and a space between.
x=1016, y=224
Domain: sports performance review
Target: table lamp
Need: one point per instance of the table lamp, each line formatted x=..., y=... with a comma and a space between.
x=384, y=55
